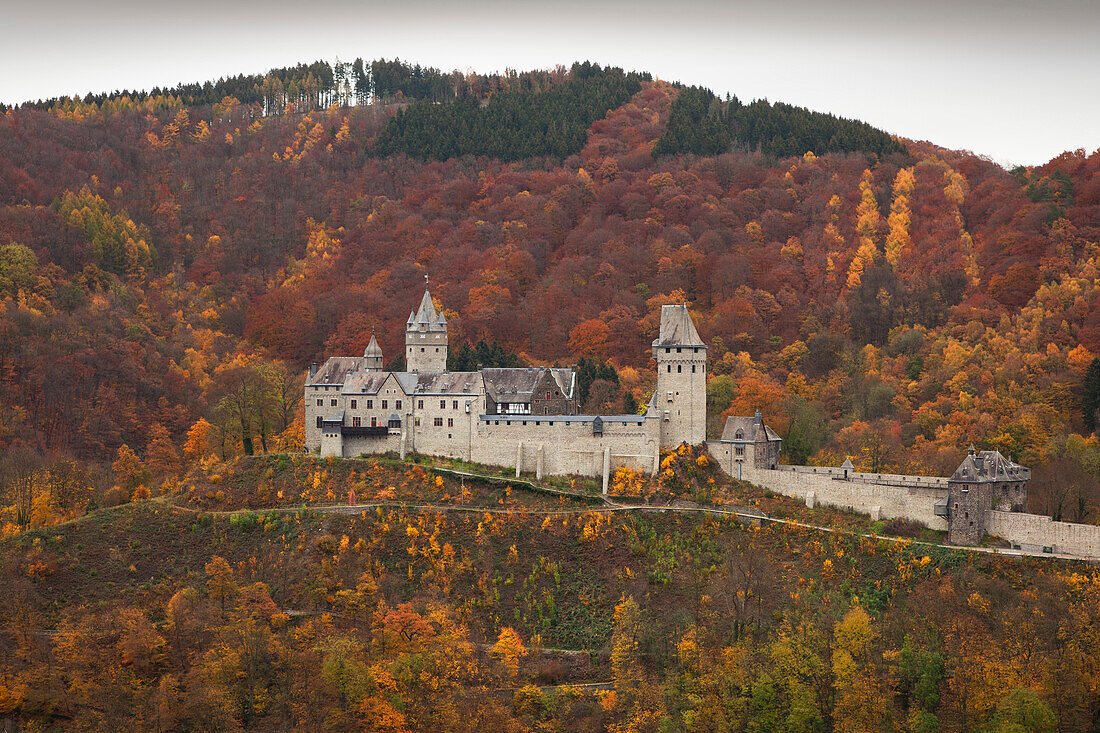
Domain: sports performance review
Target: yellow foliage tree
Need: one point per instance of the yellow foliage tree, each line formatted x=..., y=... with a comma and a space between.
x=867, y=220
x=509, y=649
x=897, y=239
x=198, y=440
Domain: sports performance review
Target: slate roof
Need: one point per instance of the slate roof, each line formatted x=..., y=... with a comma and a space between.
x=511, y=384
x=373, y=349
x=625, y=419
x=677, y=328
x=517, y=384
x=426, y=318
x=440, y=383
x=988, y=466
x=752, y=429
x=336, y=370
x=566, y=380
x=364, y=382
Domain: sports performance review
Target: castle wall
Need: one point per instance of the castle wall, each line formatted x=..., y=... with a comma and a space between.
x=567, y=446
x=883, y=496
x=355, y=446
x=545, y=447
x=1035, y=532
x=326, y=394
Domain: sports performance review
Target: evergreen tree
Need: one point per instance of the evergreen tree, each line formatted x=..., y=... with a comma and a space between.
x=1091, y=402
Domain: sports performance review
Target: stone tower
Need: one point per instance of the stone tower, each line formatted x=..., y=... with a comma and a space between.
x=426, y=339
x=681, y=397
x=372, y=355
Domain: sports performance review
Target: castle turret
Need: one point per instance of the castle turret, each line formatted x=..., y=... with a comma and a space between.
x=372, y=356
x=681, y=397
x=426, y=338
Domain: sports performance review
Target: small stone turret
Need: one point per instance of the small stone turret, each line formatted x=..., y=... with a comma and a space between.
x=985, y=481
x=372, y=356
x=426, y=338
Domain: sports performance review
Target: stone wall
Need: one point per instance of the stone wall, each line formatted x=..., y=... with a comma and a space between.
x=566, y=446
x=1036, y=531
x=560, y=445
x=883, y=496
x=326, y=394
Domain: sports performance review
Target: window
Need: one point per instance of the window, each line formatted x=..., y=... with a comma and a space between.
x=320, y=402
x=439, y=422
x=740, y=450
x=319, y=418
x=450, y=422
x=397, y=404
x=354, y=404
x=668, y=349
x=454, y=405
x=693, y=369
x=677, y=349
x=670, y=369
x=355, y=422
x=374, y=422
x=420, y=404
x=679, y=368
x=370, y=404
x=421, y=349
x=416, y=422
x=385, y=403
x=443, y=404
x=333, y=403
x=547, y=395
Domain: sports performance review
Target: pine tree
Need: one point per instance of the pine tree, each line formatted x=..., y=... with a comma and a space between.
x=1091, y=402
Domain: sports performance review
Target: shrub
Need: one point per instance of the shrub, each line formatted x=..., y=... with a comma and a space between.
x=326, y=543
x=903, y=528
x=244, y=521
x=116, y=495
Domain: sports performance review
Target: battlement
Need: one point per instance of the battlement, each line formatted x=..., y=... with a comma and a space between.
x=880, y=479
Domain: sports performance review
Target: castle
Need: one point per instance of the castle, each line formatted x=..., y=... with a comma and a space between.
x=526, y=419
x=521, y=417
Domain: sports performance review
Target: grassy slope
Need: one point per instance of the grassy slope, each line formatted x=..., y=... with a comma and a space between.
x=559, y=576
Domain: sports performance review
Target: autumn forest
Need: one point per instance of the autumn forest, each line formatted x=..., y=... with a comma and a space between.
x=173, y=260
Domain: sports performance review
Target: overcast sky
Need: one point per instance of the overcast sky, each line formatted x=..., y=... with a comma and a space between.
x=1016, y=81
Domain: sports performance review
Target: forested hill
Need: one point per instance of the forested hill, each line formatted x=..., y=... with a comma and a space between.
x=876, y=297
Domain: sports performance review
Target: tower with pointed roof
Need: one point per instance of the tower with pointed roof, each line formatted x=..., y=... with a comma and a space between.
x=372, y=355
x=681, y=397
x=426, y=338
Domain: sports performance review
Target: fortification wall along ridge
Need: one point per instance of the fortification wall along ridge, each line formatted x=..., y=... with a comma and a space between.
x=1036, y=531
x=883, y=496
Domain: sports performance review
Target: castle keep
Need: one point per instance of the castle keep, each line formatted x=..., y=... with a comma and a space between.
x=526, y=418
x=522, y=417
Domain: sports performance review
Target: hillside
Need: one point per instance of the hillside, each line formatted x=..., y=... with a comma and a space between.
x=392, y=619
x=172, y=261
